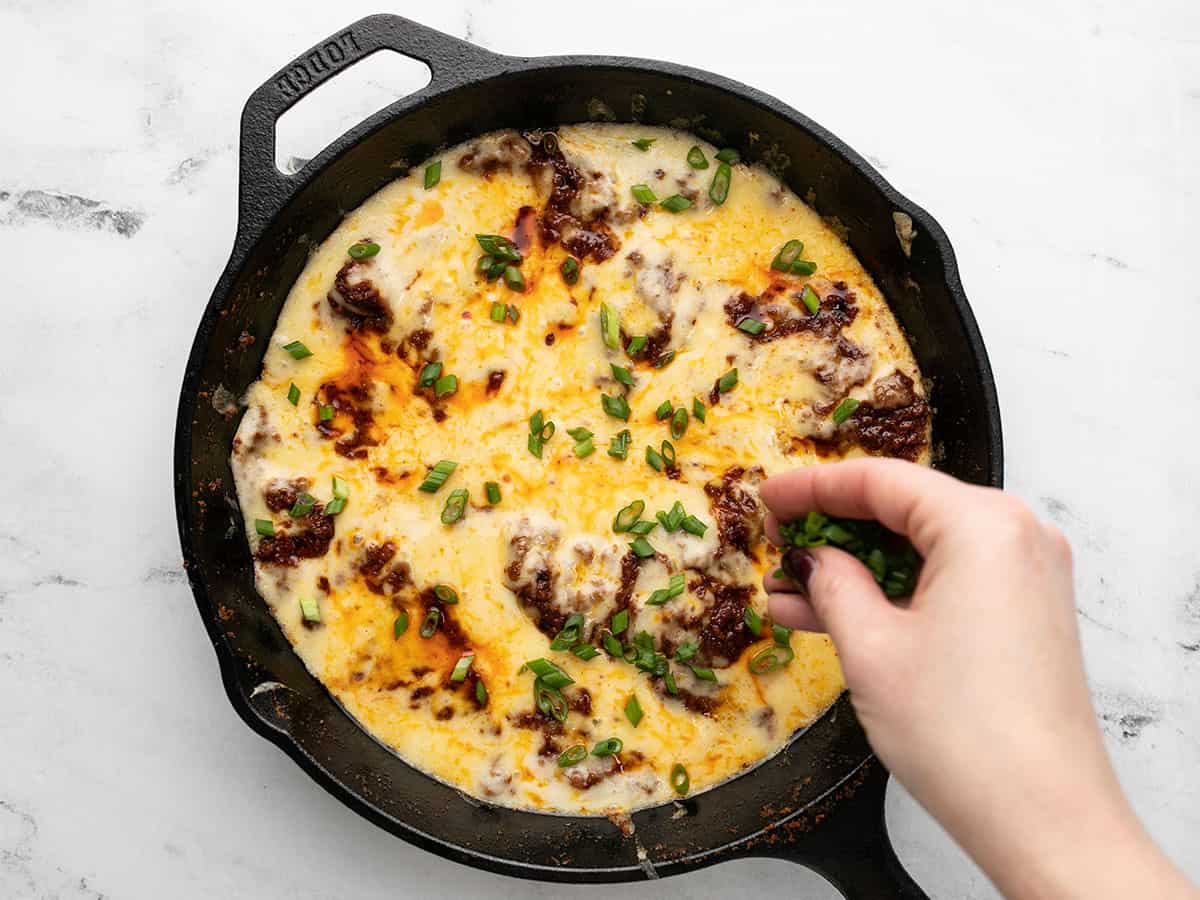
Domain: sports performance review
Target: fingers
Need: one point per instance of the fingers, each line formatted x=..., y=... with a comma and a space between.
x=793, y=611
x=832, y=592
x=910, y=499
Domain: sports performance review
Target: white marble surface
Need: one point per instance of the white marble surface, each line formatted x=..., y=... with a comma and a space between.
x=1057, y=142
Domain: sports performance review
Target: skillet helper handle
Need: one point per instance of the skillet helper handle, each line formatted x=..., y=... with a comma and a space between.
x=847, y=843
x=263, y=189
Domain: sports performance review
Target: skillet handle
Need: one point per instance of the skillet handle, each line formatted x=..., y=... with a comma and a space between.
x=847, y=843
x=263, y=189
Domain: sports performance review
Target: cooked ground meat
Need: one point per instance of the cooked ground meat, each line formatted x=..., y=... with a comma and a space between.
x=786, y=316
x=899, y=432
x=558, y=223
x=287, y=548
x=723, y=631
x=504, y=151
x=375, y=558
x=736, y=509
x=355, y=297
x=281, y=495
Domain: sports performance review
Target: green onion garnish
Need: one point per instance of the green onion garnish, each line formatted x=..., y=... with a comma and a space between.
x=445, y=594
x=633, y=710
x=430, y=374
x=844, y=410
x=641, y=548
x=803, y=267
x=293, y=394
x=788, y=254
x=618, y=447
x=549, y=701
x=619, y=622
x=551, y=675
x=703, y=673
x=643, y=527
x=585, y=651
x=676, y=203
x=628, y=515
x=513, y=313
x=310, y=610
x=637, y=344
x=671, y=521
x=752, y=326
x=664, y=360
x=728, y=381
x=536, y=423
x=782, y=636
x=679, y=423
x=612, y=645
x=610, y=327
x=433, y=174
x=680, y=783
x=811, y=301
x=325, y=412
x=492, y=490
x=514, y=279
x=363, y=250
x=753, y=621
x=664, y=410
x=572, y=756
x=643, y=194
x=729, y=155
x=570, y=270
x=609, y=747
x=534, y=443
x=698, y=410
x=622, y=374
x=686, y=650
x=303, y=506
x=499, y=248
x=484, y=266
x=673, y=589
x=643, y=144
x=692, y=525
x=264, y=527
x=481, y=695
x=437, y=476
x=497, y=269
x=462, y=667
x=579, y=434
x=341, y=490
x=432, y=620
x=654, y=458
x=498, y=312
x=401, y=624
x=696, y=158
x=297, y=349
x=668, y=453
x=617, y=406
x=335, y=506
x=445, y=386
x=568, y=637
x=719, y=189
x=770, y=659
x=456, y=505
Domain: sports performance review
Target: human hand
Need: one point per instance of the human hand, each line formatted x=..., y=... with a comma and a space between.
x=973, y=694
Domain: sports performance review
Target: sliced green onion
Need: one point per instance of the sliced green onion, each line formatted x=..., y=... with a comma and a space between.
x=325, y=412
x=844, y=410
x=610, y=327
x=446, y=594
x=811, y=300
x=570, y=270
x=572, y=756
x=643, y=194
x=753, y=621
x=550, y=674
x=293, y=395
x=401, y=624
x=616, y=406
x=303, y=506
x=514, y=279
x=534, y=443
x=437, y=476
x=643, y=527
x=363, y=250
x=687, y=650
x=335, y=506
x=664, y=360
x=782, y=636
x=433, y=618
x=497, y=269
x=788, y=254
x=718, y=191
x=703, y=673
x=692, y=525
x=698, y=410
x=729, y=155
x=803, y=267
x=310, y=610
x=770, y=659
x=680, y=782
x=673, y=519
x=641, y=548
x=498, y=247
x=669, y=681
x=341, y=490
x=654, y=458
x=513, y=313
x=585, y=651
x=637, y=344
x=664, y=410
x=568, y=637
x=696, y=158
x=728, y=381
x=679, y=423
x=297, y=349
x=549, y=701
x=643, y=144
x=462, y=667
x=673, y=589
x=752, y=326
x=579, y=434
x=676, y=203
x=608, y=747
x=618, y=447
x=484, y=266
x=619, y=622
x=433, y=174
x=633, y=710
x=445, y=386
x=622, y=374
x=498, y=312
x=536, y=422
x=492, y=490
x=264, y=527
x=628, y=515
x=481, y=694
x=612, y=645
x=456, y=506
x=668, y=453
x=430, y=373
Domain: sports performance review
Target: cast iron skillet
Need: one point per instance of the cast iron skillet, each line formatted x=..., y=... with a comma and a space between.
x=820, y=801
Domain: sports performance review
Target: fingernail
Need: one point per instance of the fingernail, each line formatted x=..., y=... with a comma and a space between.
x=798, y=565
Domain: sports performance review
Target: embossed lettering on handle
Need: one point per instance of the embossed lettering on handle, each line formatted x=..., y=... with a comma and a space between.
x=327, y=58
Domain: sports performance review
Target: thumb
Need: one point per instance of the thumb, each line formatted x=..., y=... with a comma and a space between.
x=833, y=591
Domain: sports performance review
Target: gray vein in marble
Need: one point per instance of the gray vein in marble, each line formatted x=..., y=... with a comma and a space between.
x=67, y=211
x=165, y=575
x=1125, y=716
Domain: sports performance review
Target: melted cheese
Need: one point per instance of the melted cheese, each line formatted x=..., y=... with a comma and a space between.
x=690, y=265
